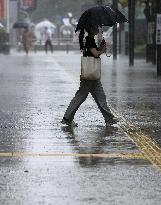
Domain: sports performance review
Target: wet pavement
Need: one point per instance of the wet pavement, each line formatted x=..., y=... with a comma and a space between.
x=43, y=162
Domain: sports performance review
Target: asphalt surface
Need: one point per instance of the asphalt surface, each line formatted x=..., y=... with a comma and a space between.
x=43, y=162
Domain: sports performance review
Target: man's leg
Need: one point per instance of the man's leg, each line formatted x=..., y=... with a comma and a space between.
x=46, y=46
x=51, y=46
x=79, y=98
x=100, y=98
x=26, y=48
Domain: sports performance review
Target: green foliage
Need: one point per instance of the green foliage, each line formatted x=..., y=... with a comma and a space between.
x=2, y=31
x=51, y=8
x=2, y=35
x=124, y=3
x=140, y=48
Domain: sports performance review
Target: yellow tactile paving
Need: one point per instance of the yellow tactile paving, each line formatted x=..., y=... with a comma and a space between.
x=101, y=155
x=148, y=147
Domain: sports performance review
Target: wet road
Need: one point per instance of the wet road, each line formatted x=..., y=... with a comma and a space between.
x=43, y=162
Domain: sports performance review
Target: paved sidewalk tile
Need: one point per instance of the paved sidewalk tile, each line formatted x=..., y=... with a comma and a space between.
x=43, y=162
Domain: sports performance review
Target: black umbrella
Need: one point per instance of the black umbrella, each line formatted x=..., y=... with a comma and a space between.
x=20, y=24
x=100, y=15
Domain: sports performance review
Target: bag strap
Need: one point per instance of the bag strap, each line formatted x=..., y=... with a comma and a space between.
x=84, y=48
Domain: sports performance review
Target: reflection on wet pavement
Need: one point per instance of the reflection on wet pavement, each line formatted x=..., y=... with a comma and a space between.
x=54, y=164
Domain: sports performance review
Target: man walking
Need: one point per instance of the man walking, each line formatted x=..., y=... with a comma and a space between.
x=27, y=40
x=48, y=40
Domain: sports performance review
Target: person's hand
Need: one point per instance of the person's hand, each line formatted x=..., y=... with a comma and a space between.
x=102, y=45
x=103, y=42
x=103, y=49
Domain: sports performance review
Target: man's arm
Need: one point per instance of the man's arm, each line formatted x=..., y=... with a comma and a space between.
x=96, y=53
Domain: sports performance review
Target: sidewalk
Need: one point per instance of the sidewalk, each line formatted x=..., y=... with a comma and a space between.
x=43, y=162
x=134, y=92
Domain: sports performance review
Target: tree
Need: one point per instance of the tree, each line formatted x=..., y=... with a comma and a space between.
x=51, y=8
x=124, y=3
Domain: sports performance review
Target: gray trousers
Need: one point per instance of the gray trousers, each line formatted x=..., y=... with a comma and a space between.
x=95, y=88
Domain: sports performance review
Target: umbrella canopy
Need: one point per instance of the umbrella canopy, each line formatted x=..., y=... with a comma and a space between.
x=41, y=27
x=100, y=15
x=1, y=26
x=20, y=24
x=45, y=24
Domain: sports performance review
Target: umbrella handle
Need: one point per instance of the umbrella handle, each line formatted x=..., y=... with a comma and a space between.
x=108, y=56
x=109, y=53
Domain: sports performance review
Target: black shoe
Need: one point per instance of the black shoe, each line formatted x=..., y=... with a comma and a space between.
x=69, y=123
x=112, y=121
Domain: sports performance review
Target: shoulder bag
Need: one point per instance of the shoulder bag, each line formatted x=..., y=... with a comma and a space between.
x=90, y=68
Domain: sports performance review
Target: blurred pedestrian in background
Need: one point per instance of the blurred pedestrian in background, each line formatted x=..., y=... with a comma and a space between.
x=27, y=39
x=48, y=39
x=94, y=87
